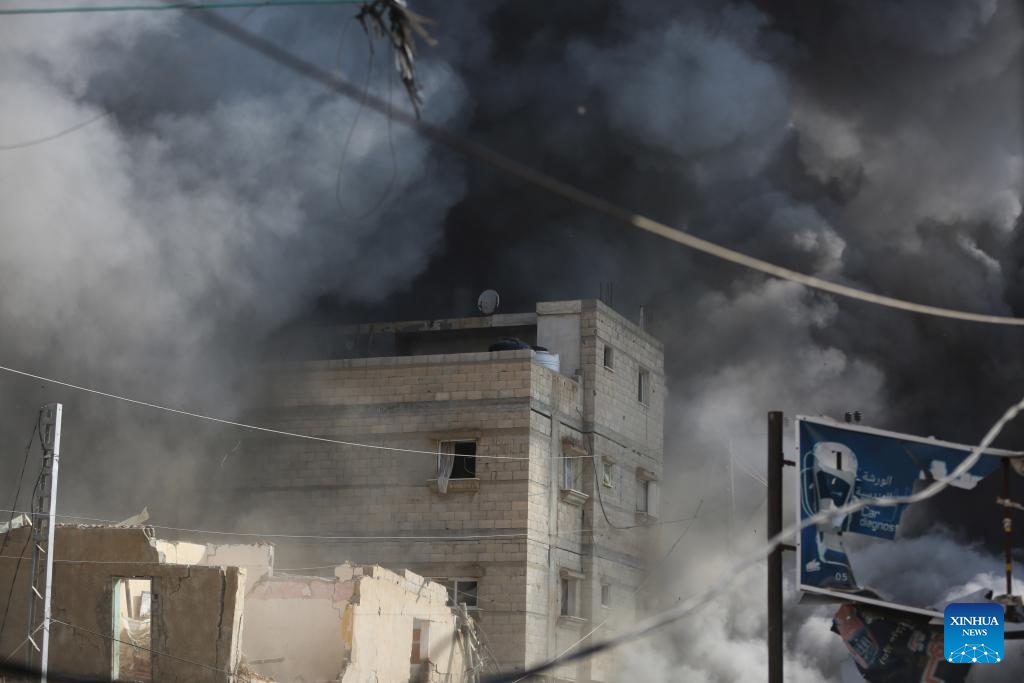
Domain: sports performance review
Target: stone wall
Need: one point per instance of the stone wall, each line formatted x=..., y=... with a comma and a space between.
x=196, y=611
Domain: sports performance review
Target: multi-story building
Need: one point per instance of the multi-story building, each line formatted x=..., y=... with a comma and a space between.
x=525, y=489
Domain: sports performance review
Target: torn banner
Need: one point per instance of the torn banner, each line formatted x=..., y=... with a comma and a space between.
x=840, y=464
x=891, y=648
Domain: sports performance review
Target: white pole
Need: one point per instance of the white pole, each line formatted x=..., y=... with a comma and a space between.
x=47, y=593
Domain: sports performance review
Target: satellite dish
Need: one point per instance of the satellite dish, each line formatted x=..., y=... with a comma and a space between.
x=488, y=302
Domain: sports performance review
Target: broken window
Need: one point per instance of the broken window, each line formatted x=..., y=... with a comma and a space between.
x=456, y=460
x=460, y=592
x=609, y=356
x=643, y=386
x=132, y=613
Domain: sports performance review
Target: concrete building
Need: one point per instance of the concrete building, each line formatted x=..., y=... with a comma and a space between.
x=132, y=607
x=527, y=489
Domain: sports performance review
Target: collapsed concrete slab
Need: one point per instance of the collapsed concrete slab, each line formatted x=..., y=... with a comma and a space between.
x=135, y=608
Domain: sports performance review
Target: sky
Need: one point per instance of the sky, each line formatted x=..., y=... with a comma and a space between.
x=214, y=198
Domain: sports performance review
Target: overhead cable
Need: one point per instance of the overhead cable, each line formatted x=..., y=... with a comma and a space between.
x=158, y=653
x=182, y=6
x=257, y=428
x=565, y=190
x=314, y=537
x=690, y=605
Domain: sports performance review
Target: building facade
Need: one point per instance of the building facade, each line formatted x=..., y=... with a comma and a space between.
x=131, y=607
x=529, y=491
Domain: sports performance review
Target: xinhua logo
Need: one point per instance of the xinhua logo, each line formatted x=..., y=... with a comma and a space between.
x=973, y=633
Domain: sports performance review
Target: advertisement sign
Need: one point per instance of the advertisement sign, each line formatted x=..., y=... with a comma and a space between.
x=888, y=647
x=841, y=463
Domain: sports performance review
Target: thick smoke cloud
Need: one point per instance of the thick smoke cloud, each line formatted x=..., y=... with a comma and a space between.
x=874, y=143
x=151, y=254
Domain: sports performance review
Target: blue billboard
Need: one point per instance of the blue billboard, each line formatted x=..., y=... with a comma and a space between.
x=840, y=464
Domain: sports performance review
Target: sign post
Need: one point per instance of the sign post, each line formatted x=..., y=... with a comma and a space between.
x=774, y=528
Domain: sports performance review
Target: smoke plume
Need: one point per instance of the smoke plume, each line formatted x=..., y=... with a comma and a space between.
x=216, y=197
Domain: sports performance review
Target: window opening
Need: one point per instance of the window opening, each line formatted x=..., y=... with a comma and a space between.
x=606, y=595
x=570, y=473
x=464, y=458
x=132, y=611
x=568, y=600
x=609, y=356
x=643, y=385
x=647, y=497
x=460, y=591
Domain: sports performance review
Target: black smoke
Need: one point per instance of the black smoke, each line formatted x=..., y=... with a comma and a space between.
x=154, y=251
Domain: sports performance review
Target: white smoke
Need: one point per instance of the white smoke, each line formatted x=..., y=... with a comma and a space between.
x=152, y=254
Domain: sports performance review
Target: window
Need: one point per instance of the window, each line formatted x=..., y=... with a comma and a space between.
x=606, y=595
x=643, y=386
x=646, y=493
x=571, y=473
x=569, y=583
x=460, y=591
x=568, y=600
x=609, y=356
x=455, y=460
x=131, y=622
x=607, y=473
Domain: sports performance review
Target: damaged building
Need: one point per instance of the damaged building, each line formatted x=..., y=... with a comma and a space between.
x=132, y=607
x=534, y=455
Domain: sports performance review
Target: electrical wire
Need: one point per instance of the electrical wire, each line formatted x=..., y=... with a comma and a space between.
x=59, y=134
x=569, y=192
x=29, y=531
x=112, y=524
x=158, y=653
x=182, y=6
x=348, y=140
x=267, y=430
x=23, y=641
x=638, y=587
x=688, y=606
x=256, y=6
x=21, y=478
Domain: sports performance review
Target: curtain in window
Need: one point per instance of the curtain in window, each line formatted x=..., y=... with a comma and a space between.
x=445, y=462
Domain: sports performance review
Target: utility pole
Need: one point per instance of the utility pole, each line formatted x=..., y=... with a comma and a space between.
x=774, y=528
x=732, y=501
x=44, y=523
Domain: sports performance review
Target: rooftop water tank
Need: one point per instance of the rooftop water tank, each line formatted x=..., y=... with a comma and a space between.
x=547, y=359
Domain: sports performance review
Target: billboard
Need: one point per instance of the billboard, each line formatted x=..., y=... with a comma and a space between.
x=841, y=463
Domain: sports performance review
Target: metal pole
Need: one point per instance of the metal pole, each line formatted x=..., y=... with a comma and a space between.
x=48, y=592
x=732, y=501
x=1007, y=528
x=774, y=527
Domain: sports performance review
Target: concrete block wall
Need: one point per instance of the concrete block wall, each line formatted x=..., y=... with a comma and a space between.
x=316, y=488
x=509, y=406
x=196, y=611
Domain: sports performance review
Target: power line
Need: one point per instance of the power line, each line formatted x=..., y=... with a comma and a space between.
x=158, y=653
x=695, y=602
x=562, y=189
x=17, y=568
x=257, y=428
x=183, y=6
x=59, y=134
x=314, y=537
x=103, y=114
